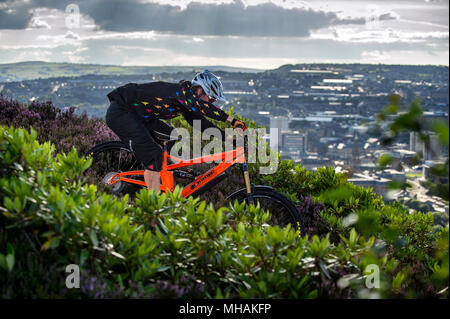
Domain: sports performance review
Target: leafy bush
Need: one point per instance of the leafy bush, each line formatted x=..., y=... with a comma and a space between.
x=168, y=246
x=165, y=245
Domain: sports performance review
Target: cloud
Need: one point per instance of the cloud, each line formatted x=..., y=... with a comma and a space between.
x=237, y=51
x=14, y=17
x=71, y=35
x=37, y=23
x=375, y=55
x=223, y=19
x=384, y=35
x=73, y=55
x=389, y=16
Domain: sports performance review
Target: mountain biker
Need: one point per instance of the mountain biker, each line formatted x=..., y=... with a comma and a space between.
x=136, y=110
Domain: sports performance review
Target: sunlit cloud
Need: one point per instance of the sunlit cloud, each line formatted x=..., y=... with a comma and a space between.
x=326, y=31
x=37, y=23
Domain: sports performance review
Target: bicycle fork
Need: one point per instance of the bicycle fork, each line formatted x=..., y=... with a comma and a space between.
x=249, y=187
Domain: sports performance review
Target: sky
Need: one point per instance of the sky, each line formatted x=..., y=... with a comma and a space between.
x=262, y=34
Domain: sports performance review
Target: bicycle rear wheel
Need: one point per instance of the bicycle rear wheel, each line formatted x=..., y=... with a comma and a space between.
x=282, y=210
x=108, y=159
x=114, y=157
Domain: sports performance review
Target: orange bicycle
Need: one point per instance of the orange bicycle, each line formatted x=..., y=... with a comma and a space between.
x=116, y=167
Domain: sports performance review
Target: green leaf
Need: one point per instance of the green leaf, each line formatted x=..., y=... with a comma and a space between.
x=392, y=109
x=385, y=160
x=324, y=269
x=163, y=226
x=83, y=256
x=54, y=243
x=94, y=238
x=398, y=280
x=442, y=131
x=163, y=268
x=219, y=294
x=353, y=237
x=10, y=262
x=50, y=243
x=9, y=204
x=115, y=254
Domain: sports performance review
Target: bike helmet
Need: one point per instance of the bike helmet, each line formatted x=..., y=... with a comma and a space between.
x=210, y=84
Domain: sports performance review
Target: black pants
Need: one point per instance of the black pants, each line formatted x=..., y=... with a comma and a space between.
x=138, y=135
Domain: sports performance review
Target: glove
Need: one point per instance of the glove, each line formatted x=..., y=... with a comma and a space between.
x=240, y=124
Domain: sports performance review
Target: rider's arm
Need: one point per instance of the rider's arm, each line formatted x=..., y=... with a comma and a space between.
x=197, y=105
x=211, y=111
x=193, y=103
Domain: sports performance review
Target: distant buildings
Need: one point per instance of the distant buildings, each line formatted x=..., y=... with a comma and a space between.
x=430, y=150
x=294, y=144
x=415, y=143
x=282, y=124
x=379, y=184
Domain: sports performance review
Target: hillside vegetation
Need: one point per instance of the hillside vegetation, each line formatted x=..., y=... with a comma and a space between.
x=39, y=69
x=166, y=246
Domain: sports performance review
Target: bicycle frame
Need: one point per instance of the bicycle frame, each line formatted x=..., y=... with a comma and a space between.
x=228, y=158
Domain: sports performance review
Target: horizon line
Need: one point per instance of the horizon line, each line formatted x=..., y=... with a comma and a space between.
x=228, y=66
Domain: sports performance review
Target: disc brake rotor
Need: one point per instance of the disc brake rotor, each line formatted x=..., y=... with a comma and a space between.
x=117, y=186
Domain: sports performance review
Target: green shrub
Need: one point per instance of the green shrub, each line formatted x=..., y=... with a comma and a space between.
x=162, y=242
x=164, y=245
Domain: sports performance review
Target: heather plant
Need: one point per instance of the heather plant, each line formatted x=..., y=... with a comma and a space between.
x=310, y=211
x=64, y=129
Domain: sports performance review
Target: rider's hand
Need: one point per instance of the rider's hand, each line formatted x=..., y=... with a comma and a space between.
x=239, y=124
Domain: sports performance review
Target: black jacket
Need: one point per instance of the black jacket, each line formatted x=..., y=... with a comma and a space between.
x=163, y=100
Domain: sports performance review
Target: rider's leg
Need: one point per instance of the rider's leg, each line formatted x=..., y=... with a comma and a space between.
x=162, y=127
x=134, y=133
x=152, y=179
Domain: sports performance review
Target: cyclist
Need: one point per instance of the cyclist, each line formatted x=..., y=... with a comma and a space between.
x=136, y=110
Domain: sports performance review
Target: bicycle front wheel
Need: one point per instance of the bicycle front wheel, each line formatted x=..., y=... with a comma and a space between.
x=281, y=208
